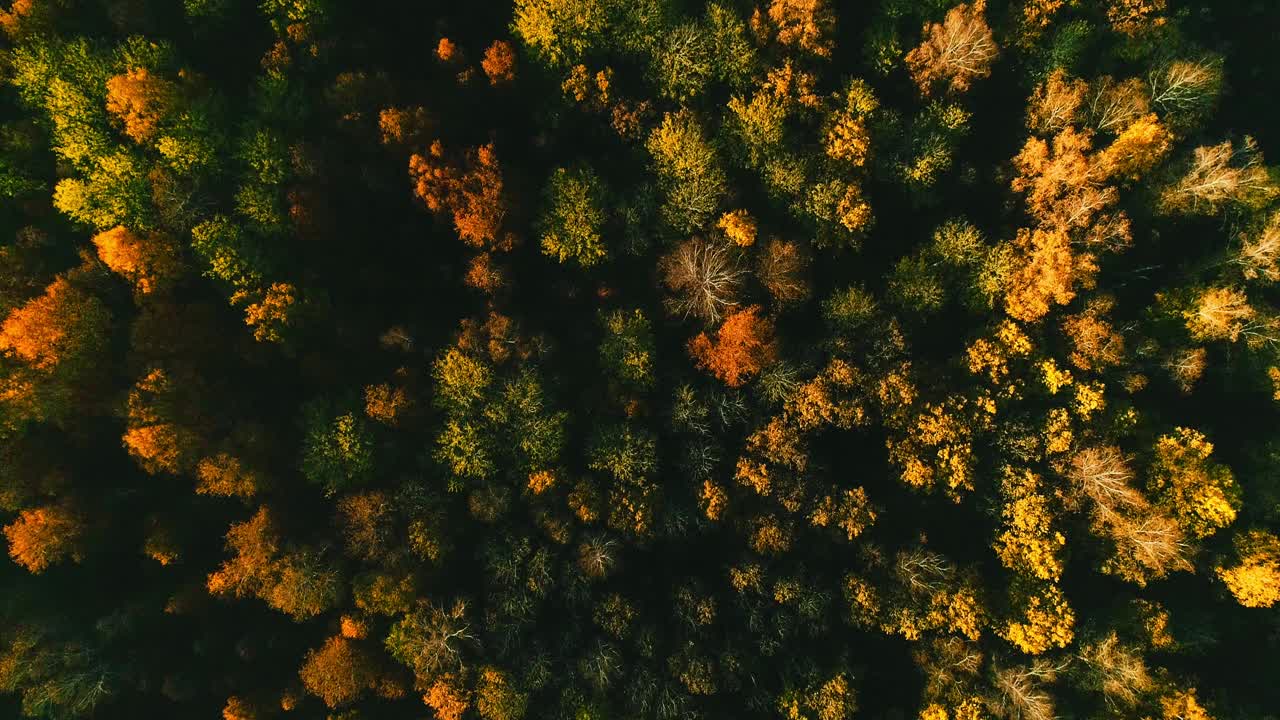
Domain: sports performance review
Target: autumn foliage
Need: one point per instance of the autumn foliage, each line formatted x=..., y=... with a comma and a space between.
x=743, y=346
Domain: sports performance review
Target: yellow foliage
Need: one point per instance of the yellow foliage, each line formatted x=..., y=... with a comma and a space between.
x=1046, y=622
x=1183, y=705
x=1255, y=580
x=1089, y=399
x=739, y=227
x=1054, y=378
x=714, y=500
x=1139, y=148
x=1202, y=494
x=1057, y=432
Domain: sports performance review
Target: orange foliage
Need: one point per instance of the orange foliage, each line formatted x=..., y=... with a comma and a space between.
x=255, y=543
x=472, y=193
x=743, y=347
x=338, y=672
x=484, y=275
x=52, y=327
x=499, y=63
x=385, y=403
x=269, y=316
x=11, y=22
x=366, y=524
x=955, y=52
x=139, y=99
x=1047, y=276
x=446, y=50
x=148, y=263
x=404, y=126
x=448, y=697
x=43, y=536
x=806, y=24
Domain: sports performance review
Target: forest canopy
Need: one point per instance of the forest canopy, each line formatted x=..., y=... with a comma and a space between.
x=639, y=359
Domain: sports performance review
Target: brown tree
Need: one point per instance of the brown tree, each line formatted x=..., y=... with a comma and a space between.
x=781, y=269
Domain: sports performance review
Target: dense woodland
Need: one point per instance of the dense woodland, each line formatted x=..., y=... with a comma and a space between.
x=614, y=359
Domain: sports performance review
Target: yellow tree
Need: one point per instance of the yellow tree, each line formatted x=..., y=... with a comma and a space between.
x=1254, y=580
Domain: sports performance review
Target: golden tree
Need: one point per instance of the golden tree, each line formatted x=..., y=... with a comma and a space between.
x=45, y=536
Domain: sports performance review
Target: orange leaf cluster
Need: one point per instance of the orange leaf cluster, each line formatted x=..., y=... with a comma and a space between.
x=742, y=348
x=472, y=193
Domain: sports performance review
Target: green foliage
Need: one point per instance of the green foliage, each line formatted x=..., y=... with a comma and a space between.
x=573, y=217
x=337, y=451
x=628, y=348
x=689, y=170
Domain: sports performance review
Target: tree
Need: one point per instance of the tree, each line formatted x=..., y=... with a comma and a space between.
x=1186, y=90
x=140, y=100
x=1044, y=620
x=62, y=330
x=497, y=697
x=338, y=449
x=1056, y=103
x=1254, y=580
x=338, y=672
x=689, y=171
x=471, y=192
x=431, y=640
x=573, y=217
x=559, y=32
x=955, y=52
x=1217, y=175
x=1116, y=671
x=45, y=536
x=806, y=24
x=627, y=351
x=499, y=63
x=1259, y=253
x=705, y=278
x=1200, y=493
x=781, y=268
x=148, y=262
x=742, y=348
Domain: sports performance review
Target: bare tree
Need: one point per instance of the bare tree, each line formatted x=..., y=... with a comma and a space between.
x=705, y=278
x=1113, y=105
x=1116, y=670
x=1020, y=691
x=1218, y=174
x=1102, y=475
x=1258, y=255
